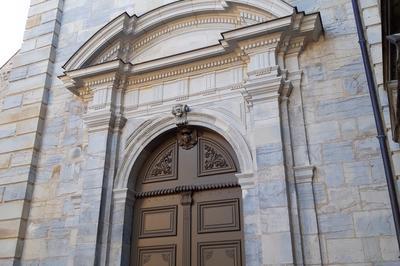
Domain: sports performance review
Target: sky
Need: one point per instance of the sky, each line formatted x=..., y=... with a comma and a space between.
x=13, y=14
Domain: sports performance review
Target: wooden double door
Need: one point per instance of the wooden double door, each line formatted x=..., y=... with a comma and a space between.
x=188, y=203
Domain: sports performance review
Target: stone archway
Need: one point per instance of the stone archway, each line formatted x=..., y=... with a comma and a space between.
x=124, y=192
x=188, y=202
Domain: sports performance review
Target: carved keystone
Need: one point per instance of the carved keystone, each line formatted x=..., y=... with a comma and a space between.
x=180, y=112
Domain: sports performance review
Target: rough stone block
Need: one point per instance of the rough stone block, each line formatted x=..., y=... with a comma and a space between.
x=367, y=148
x=39, y=68
x=253, y=252
x=11, y=210
x=10, y=228
x=33, y=21
x=277, y=249
x=345, y=251
x=273, y=194
x=97, y=142
x=17, y=192
x=355, y=85
x=46, y=39
x=373, y=223
x=366, y=125
x=323, y=132
x=38, y=81
x=29, y=125
x=274, y=220
x=389, y=248
x=348, y=129
x=7, y=130
x=333, y=174
x=18, y=73
x=1, y=193
x=269, y=155
x=374, y=34
x=34, y=96
x=32, y=56
x=357, y=173
x=18, y=143
x=8, y=247
x=338, y=152
x=336, y=225
x=343, y=108
x=44, y=6
x=12, y=101
x=372, y=249
x=345, y=199
x=23, y=113
x=35, y=249
x=5, y=161
x=375, y=198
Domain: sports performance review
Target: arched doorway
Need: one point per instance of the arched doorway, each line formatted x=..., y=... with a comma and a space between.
x=188, y=202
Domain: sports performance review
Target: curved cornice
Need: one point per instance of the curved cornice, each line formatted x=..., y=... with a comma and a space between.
x=125, y=24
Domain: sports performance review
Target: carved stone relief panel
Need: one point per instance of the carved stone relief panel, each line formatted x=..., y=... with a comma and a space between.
x=163, y=166
x=213, y=159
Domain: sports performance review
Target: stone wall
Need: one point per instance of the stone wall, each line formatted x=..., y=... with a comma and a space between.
x=353, y=212
x=353, y=207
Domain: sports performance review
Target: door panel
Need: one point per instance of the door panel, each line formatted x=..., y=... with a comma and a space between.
x=157, y=240
x=217, y=232
x=219, y=253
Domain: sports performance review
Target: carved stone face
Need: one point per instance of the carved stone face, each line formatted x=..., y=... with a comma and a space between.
x=187, y=138
x=178, y=110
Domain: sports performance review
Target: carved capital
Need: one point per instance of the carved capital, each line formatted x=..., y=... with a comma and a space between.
x=103, y=120
x=304, y=174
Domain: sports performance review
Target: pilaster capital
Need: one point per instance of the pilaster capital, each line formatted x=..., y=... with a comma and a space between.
x=125, y=195
x=103, y=120
x=304, y=174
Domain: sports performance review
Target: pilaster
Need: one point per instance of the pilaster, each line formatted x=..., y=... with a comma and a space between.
x=263, y=91
x=104, y=122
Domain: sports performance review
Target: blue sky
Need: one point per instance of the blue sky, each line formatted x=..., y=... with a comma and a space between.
x=13, y=15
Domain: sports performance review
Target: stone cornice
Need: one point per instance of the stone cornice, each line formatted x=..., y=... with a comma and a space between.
x=243, y=39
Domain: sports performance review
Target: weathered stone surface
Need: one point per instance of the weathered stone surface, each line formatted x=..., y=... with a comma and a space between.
x=373, y=223
x=345, y=251
x=336, y=132
x=12, y=101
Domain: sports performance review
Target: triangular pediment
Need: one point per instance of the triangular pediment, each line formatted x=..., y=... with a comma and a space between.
x=173, y=29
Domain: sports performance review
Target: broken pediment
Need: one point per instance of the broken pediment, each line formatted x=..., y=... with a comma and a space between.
x=173, y=29
x=217, y=43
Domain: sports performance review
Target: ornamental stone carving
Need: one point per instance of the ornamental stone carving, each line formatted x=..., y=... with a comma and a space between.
x=180, y=112
x=187, y=138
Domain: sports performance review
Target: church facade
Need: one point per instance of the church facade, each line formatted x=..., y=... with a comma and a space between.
x=203, y=132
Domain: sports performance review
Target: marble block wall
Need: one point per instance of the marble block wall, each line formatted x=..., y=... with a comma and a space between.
x=45, y=148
